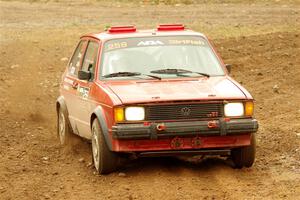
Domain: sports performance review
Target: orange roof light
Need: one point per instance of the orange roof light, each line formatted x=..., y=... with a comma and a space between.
x=122, y=29
x=170, y=27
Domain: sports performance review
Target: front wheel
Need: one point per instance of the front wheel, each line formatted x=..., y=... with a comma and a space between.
x=105, y=161
x=244, y=156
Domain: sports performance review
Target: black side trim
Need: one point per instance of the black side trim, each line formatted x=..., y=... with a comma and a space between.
x=241, y=125
x=99, y=112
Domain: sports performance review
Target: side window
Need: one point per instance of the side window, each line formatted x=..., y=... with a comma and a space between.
x=90, y=58
x=75, y=61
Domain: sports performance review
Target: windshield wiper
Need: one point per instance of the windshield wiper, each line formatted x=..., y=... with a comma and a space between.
x=120, y=74
x=152, y=76
x=176, y=71
x=123, y=74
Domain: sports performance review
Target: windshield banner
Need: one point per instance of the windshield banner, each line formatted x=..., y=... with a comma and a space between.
x=154, y=41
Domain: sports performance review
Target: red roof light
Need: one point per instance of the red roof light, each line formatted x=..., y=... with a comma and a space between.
x=122, y=29
x=170, y=27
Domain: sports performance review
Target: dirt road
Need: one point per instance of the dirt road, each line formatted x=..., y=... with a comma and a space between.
x=262, y=41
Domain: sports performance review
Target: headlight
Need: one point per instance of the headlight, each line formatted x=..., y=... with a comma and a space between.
x=134, y=113
x=130, y=113
x=234, y=109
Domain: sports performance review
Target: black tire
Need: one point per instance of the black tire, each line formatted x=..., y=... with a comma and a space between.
x=244, y=156
x=105, y=161
x=64, y=131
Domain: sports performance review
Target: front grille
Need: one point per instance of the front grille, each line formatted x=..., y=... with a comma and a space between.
x=184, y=111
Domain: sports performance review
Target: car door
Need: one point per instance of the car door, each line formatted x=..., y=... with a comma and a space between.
x=86, y=104
x=70, y=84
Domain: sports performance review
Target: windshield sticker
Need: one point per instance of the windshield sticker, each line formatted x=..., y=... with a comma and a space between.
x=154, y=41
x=192, y=42
x=150, y=43
x=117, y=45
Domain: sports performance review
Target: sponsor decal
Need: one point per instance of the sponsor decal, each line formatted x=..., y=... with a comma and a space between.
x=196, y=142
x=177, y=143
x=150, y=43
x=70, y=81
x=187, y=42
x=83, y=92
x=154, y=41
x=117, y=45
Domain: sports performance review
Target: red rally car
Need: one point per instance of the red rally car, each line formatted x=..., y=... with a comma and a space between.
x=158, y=92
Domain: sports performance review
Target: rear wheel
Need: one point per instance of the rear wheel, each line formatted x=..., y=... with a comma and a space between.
x=63, y=129
x=244, y=156
x=105, y=161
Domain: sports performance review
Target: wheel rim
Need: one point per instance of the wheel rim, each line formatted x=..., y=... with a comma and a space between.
x=61, y=127
x=95, y=149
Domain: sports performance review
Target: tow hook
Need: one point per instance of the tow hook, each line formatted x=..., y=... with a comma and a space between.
x=212, y=124
x=161, y=127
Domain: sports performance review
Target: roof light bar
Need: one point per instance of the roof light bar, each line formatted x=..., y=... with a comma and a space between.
x=170, y=27
x=122, y=29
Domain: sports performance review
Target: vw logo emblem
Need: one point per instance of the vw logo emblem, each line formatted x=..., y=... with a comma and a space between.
x=185, y=111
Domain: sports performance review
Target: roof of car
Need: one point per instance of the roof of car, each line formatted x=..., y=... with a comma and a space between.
x=142, y=33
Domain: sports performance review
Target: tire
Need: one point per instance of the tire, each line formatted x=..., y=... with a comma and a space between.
x=105, y=161
x=244, y=156
x=64, y=131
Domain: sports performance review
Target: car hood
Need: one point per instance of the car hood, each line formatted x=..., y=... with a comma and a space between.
x=176, y=90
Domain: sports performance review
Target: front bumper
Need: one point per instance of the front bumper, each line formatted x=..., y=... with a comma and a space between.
x=182, y=129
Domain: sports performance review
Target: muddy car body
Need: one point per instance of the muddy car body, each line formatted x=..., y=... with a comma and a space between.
x=154, y=93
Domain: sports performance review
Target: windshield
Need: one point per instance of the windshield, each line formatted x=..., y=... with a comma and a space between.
x=133, y=58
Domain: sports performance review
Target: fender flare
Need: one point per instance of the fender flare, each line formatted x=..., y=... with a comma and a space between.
x=60, y=103
x=100, y=115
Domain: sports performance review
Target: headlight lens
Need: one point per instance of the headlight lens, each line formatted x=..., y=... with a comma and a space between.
x=234, y=109
x=134, y=113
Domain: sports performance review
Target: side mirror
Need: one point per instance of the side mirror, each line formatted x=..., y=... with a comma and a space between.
x=228, y=67
x=84, y=75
